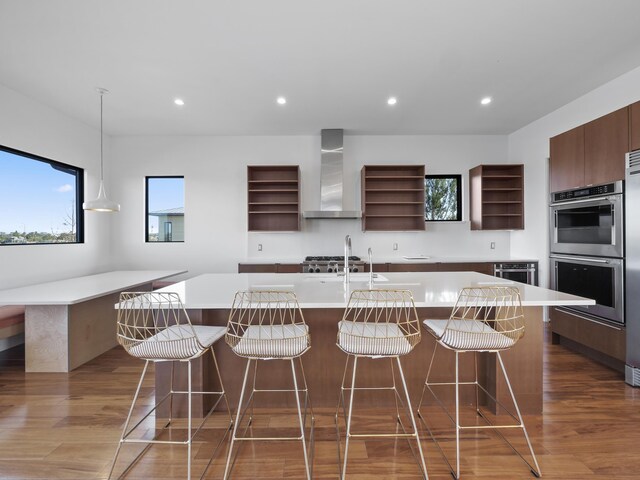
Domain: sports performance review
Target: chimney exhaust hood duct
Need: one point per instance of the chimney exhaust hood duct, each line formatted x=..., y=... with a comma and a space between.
x=331, y=178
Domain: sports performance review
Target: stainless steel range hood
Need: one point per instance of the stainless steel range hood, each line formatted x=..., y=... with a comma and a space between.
x=331, y=178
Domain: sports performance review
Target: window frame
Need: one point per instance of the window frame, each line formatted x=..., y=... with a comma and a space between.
x=146, y=208
x=459, y=212
x=79, y=184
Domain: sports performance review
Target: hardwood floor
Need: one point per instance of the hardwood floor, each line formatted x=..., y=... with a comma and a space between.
x=66, y=426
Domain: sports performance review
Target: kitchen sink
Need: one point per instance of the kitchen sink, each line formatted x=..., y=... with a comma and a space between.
x=354, y=278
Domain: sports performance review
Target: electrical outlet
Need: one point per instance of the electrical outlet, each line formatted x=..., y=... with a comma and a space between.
x=260, y=247
x=395, y=246
x=493, y=245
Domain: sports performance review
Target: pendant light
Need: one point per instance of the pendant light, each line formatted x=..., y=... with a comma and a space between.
x=102, y=203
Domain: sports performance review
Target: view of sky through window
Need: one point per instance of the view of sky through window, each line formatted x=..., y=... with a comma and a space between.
x=36, y=198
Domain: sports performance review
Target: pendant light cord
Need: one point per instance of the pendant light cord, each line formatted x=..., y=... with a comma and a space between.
x=101, y=135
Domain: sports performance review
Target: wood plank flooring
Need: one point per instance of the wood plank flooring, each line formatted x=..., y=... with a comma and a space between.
x=66, y=426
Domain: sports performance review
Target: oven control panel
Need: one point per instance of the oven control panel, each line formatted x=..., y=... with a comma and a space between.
x=587, y=192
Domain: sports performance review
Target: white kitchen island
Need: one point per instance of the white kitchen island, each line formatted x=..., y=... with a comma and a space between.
x=323, y=298
x=69, y=322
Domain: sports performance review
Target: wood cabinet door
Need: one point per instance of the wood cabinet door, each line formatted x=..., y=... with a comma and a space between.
x=566, y=164
x=480, y=267
x=288, y=268
x=606, y=141
x=256, y=268
x=634, y=127
x=413, y=267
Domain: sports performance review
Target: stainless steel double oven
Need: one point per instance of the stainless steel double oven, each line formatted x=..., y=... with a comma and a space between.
x=587, y=248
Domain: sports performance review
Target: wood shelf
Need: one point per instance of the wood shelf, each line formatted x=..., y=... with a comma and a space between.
x=392, y=177
x=394, y=203
x=496, y=197
x=393, y=215
x=271, y=212
x=273, y=198
x=393, y=197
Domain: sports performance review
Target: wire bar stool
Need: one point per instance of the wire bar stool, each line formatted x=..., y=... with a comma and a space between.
x=484, y=319
x=155, y=327
x=378, y=324
x=269, y=325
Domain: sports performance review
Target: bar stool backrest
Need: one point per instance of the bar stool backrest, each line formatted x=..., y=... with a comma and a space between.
x=373, y=316
x=155, y=325
x=487, y=318
x=267, y=324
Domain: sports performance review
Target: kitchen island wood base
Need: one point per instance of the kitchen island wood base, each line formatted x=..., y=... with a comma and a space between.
x=324, y=365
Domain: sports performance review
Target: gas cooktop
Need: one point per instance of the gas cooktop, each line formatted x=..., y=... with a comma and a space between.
x=332, y=259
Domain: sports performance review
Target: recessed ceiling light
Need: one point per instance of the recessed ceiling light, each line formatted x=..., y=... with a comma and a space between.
x=281, y=100
x=392, y=101
x=179, y=102
x=486, y=100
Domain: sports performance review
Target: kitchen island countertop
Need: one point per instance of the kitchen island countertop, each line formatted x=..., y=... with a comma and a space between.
x=429, y=289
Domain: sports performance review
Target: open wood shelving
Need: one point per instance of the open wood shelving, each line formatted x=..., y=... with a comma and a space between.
x=273, y=198
x=393, y=197
x=497, y=197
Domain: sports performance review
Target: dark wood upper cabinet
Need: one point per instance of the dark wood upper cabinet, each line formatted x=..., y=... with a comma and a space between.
x=634, y=130
x=496, y=197
x=393, y=197
x=606, y=141
x=566, y=163
x=592, y=153
x=273, y=198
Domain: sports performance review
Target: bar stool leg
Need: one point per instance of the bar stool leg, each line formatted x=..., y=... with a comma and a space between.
x=353, y=388
x=227, y=469
x=309, y=406
x=457, y=474
x=413, y=420
x=222, y=390
x=395, y=397
x=189, y=420
x=126, y=423
x=426, y=381
x=535, y=471
x=302, y=435
x=171, y=394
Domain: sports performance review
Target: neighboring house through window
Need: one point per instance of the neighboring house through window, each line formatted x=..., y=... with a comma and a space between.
x=165, y=209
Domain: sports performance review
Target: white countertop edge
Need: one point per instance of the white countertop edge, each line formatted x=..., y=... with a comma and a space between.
x=396, y=259
x=161, y=274
x=227, y=306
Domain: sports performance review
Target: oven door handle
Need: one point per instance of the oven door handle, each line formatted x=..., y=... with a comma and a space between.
x=591, y=260
x=594, y=200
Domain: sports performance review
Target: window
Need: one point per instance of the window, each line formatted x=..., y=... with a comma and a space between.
x=164, y=209
x=443, y=198
x=40, y=200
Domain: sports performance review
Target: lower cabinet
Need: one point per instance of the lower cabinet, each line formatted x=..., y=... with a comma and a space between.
x=269, y=268
x=599, y=337
x=378, y=267
x=413, y=267
x=480, y=267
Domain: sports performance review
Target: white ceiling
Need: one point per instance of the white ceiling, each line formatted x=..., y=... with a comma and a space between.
x=336, y=62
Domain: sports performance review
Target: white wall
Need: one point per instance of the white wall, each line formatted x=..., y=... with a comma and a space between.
x=32, y=127
x=530, y=145
x=216, y=236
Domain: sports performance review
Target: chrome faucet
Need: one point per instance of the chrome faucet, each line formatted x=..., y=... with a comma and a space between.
x=370, y=255
x=347, y=253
